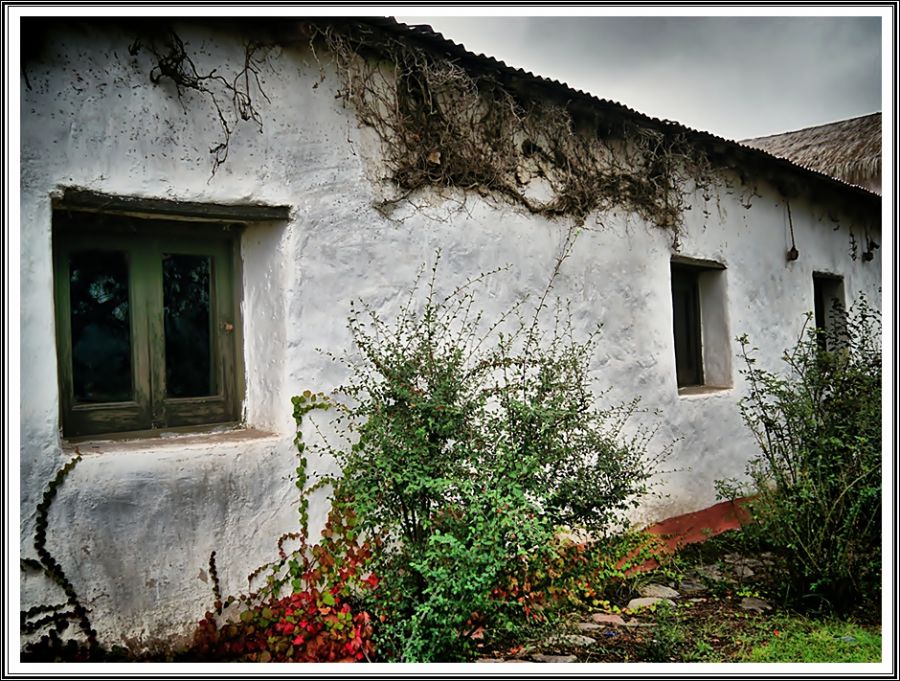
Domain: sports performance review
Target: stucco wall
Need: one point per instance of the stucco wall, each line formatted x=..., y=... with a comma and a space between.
x=134, y=524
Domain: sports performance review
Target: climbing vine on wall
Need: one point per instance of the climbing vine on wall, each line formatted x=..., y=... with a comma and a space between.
x=49, y=622
x=442, y=126
x=234, y=98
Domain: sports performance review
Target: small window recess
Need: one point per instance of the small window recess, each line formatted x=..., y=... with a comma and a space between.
x=700, y=326
x=829, y=309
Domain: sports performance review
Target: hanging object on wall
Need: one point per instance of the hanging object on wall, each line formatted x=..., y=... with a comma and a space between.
x=871, y=245
x=793, y=253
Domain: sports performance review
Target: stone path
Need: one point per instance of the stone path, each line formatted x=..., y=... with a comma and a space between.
x=565, y=647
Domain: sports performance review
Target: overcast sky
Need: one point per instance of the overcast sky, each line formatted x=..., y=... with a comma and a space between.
x=737, y=77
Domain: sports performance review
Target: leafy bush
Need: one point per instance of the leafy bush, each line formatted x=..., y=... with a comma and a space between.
x=473, y=446
x=589, y=574
x=818, y=477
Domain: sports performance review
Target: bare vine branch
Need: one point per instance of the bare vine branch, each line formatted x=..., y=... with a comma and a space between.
x=442, y=126
x=231, y=98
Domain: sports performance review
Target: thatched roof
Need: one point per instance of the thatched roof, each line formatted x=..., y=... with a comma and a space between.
x=849, y=150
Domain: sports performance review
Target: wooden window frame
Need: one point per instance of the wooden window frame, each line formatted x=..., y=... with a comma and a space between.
x=145, y=240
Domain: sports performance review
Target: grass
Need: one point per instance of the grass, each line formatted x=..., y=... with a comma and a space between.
x=727, y=635
x=782, y=638
x=797, y=639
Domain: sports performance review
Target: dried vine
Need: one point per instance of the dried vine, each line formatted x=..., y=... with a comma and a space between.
x=442, y=126
x=232, y=98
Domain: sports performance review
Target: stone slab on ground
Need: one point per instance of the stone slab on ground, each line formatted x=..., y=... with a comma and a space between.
x=755, y=604
x=603, y=618
x=577, y=640
x=691, y=585
x=589, y=626
x=742, y=571
x=746, y=561
x=554, y=658
x=637, y=603
x=713, y=573
x=635, y=622
x=658, y=591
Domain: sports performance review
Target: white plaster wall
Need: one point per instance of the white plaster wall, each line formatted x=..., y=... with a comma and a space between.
x=134, y=526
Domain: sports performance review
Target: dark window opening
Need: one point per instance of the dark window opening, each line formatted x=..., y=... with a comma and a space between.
x=186, y=289
x=828, y=305
x=686, y=326
x=101, y=327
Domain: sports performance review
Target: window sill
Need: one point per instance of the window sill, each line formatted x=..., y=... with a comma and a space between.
x=164, y=440
x=703, y=390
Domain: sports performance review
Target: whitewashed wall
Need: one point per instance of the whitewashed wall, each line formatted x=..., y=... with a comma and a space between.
x=134, y=524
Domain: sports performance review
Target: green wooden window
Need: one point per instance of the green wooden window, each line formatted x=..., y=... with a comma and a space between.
x=147, y=323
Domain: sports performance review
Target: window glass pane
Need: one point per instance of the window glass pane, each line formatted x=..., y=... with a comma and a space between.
x=101, y=326
x=187, y=322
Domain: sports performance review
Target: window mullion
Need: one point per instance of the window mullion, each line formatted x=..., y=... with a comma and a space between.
x=226, y=327
x=140, y=360
x=152, y=340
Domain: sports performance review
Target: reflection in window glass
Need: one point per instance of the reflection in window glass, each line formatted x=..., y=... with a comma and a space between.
x=101, y=326
x=187, y=324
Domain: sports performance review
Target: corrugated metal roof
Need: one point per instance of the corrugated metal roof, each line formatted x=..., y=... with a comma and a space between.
x=438, y=42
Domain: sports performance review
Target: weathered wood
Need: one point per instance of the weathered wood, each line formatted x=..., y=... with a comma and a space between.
x=145, y=245
x=697, y=262
x=82, y=199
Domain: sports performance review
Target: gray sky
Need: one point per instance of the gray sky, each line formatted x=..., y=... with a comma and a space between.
x=737, y=77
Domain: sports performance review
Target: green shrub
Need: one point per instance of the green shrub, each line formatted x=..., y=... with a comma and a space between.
x=818, y=475
x=472, y=447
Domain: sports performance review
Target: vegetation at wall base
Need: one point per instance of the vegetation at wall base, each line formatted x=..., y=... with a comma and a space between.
x=49, y=623
x=473, y=442
x=309, y=608
x=480, y=503
x=817, y=479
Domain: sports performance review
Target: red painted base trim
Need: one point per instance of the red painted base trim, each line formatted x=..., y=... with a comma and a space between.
x=672, y=534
